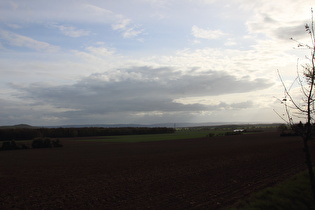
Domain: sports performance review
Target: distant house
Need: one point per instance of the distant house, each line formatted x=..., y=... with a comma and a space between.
x=238, y=130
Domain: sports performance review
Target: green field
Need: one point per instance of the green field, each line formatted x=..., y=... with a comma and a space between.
x=188, y=133
x=180, y=133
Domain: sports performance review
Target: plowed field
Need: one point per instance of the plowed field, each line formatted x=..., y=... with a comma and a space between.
x=208, y=173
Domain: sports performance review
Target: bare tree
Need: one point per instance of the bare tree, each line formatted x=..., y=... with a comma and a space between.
x=304, y=107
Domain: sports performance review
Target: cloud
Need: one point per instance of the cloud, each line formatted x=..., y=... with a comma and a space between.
x=14, y=26
x=118, y=22
x=139, y=91
x=72, y=31
x=57, y=11
x=122, y=25
x=230, y=42
x=131, y=32
x=100, y=51
x=74, y=13
x=128, y=29
x=23, y=41
x=166, y=77
x=26, y=111
x=207, y=34
x=277, y=29
x=276, y=21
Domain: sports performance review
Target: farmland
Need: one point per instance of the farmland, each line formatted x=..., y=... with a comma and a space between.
x=195, y=172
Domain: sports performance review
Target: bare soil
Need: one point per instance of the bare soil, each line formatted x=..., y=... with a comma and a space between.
x=209, y=173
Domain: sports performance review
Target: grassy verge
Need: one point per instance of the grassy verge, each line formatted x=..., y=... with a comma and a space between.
x=294, y=193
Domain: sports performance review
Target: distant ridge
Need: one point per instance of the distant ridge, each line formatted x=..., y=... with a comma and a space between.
x=17, y=126
x=169, y=125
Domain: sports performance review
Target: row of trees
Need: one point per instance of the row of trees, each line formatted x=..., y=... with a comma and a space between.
x=25, y=133
x=36, y=143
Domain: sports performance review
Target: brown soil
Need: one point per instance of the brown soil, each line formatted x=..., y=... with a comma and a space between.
x=183, y=174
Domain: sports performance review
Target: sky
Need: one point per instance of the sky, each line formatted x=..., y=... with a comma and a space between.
x=148, y=61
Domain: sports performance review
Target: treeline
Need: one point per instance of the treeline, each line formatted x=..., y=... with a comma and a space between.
x=26, y=133
x=37, y=143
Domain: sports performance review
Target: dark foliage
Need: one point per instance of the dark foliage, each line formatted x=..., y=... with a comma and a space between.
x=211, y=134
x=295, y=130
x=56, y=143
x=46, y=143
x=233, y=133
x=288, y=133
x=12, y=145
x=27, y=134
x=37, y=143
x=41, y=143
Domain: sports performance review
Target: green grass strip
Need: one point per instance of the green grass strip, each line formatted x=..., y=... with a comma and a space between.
x=293, y=194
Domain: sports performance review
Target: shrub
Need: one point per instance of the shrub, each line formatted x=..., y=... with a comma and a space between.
x=46, y=143
x=233, y=133
x=24, y=146
x=56, y=143
x=11, y=145
x=211, y=134
x=288, y=133
x=41, y=143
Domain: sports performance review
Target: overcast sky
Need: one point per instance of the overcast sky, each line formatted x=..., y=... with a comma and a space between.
x=147, y=61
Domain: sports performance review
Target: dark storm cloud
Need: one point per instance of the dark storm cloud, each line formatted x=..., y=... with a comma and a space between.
x=142, y=89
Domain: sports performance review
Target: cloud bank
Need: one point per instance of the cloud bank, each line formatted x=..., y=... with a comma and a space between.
x=147, y=61
x=138, y=91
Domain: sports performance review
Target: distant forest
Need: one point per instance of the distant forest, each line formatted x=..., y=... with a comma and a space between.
x=32, y=133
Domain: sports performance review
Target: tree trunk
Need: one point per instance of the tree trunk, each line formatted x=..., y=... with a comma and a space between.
x=309, y=164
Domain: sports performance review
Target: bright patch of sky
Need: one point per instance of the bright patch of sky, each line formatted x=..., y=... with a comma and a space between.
x=147, y=61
